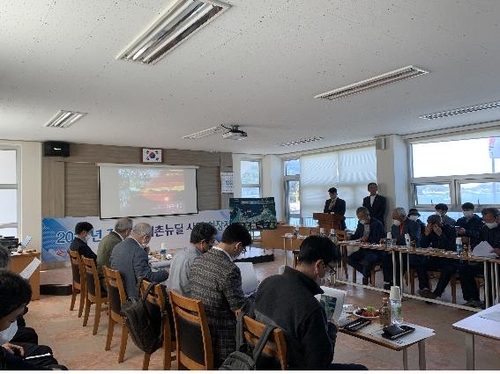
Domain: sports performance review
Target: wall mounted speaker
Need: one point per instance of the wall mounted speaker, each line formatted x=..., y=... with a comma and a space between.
x=56, y=149
x=380, y=144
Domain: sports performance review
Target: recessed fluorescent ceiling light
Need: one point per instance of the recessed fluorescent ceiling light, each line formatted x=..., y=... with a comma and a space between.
x=301, y=141
x=460, y=111
x=179, y=22
x=204, y=133
x=64, y=119
x=375, y=82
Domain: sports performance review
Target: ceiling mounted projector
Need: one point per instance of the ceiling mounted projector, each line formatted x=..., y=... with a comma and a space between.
x=234, y=133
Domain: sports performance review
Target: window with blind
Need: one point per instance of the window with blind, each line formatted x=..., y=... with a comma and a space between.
x=348, y=170
x=8, y=192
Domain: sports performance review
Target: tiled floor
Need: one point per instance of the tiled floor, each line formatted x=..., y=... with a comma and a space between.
x=77, y=348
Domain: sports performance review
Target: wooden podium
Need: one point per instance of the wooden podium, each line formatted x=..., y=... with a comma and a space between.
x=329, y=221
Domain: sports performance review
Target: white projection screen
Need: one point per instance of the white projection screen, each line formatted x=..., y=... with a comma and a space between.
x=137, y=190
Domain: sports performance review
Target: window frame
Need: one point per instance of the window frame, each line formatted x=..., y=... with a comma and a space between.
x=252, y=185
x=16, y=187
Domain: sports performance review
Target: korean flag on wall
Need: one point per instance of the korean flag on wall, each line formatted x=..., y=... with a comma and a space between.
x=151, y=155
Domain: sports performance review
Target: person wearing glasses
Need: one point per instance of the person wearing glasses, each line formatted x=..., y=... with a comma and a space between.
x=216, y=281
x=131, y=260
x=288, y=301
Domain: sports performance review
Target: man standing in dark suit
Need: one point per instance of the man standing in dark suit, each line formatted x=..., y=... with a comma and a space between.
x=216, y=281
x=335, y=205
x=131, y=260
x=375, y=203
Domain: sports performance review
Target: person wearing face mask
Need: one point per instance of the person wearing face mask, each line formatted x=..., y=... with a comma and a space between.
x=335, y=205
x=216, y=281
x=436, y=235
x=413, y=215
x=202, y=239
x=288, y=301
x=131, y=260
x=15, y=294
x=469, y=225
x=489, y=232
x=369, y=231
x=441, y=211
x=79, y=243
x=401, y=225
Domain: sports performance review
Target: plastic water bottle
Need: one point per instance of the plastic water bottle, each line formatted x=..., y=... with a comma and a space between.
x=388, y=241
x=322, y=231
x=395, y=301
x=458, y=243
x=333, y=237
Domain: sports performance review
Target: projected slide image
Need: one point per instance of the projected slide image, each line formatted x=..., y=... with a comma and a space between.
x=134, y=191
x=156, y=190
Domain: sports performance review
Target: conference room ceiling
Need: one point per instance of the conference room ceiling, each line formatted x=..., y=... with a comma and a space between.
x=258, y=65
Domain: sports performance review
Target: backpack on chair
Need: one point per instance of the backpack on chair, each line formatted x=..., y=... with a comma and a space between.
x=245, y=358
x=143, y=320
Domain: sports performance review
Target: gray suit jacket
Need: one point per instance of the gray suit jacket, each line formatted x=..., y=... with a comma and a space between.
x=216, y=281
x=131, y=260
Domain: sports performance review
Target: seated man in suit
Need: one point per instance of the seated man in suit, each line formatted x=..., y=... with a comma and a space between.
x=288, y=301
x=369, y=231
x=441, y=211
x=401, y=225
x=335, y=205
x=489, y=232
x=375, y=203
x=131, y=260
x=413, y=215
x=79, y=243
x=440, y=235
x=202, y=239
x=216, y=281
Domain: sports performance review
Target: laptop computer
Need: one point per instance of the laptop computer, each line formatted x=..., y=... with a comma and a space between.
x=249, y=280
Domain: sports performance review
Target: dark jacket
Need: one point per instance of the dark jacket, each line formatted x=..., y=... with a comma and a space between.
x=377, y=210
x=377, y=231
x=288, y=300
x=83, y=249
x=445, y=241
x=472, y=228
x=409, y=227
x=339, y=208
x=492, y=236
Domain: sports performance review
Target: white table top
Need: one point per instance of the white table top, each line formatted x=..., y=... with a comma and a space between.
x=484, y=323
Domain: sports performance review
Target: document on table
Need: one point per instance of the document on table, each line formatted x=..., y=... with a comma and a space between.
x=483, y=249
x=30, y=269
x=492, y=316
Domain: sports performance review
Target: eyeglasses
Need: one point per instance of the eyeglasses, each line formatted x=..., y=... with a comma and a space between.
x=331, y=270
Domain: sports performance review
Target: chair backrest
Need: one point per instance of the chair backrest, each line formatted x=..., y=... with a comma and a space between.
x=77, y=270
x=116, y=292
x=92, y=277
x=194, y=344
x=158, y=298
x=275, y=349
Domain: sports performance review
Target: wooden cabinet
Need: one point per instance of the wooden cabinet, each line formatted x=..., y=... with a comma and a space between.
x=18, y=264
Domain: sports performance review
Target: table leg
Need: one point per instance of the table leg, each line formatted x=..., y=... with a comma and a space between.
x=405, y=359
x=469, y=351
x=486, y=284
x=496, y=296
x=394, y=268
x=422, y=365
x=401, y=271
x=286, y=252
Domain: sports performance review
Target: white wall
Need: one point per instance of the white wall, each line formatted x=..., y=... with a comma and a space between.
x=272, y=178
x=29, y=190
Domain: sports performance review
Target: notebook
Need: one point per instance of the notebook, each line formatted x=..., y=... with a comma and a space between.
x=333, y=302
x=249, y=281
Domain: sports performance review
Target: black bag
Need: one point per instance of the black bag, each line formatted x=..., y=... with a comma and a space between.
x=144, y=321
x=243, y=358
